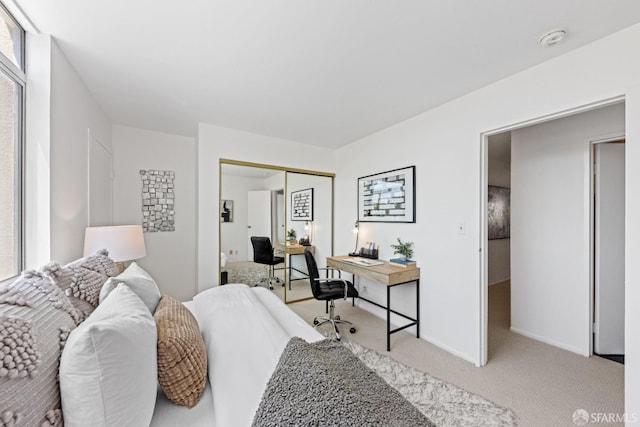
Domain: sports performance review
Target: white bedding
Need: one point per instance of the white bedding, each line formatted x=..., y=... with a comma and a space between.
x=168, y=414
x=245, y=331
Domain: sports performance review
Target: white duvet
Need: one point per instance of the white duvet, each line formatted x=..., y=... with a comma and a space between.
x=245, y=331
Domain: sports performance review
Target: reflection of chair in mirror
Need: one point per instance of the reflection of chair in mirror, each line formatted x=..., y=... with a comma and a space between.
x=329, y=289
x=263, y=254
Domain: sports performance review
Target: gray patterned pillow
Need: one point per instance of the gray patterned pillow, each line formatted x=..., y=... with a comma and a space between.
x=35, y=320
x=82, y=279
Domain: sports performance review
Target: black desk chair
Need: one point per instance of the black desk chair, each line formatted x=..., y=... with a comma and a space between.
x=263, y=254
x=329, y=289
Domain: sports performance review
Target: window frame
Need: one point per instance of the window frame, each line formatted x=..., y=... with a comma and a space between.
x=17, y=74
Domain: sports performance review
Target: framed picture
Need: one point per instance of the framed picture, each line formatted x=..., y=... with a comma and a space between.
x=226, y=212
x=302, y=205
x=499, y=212
x=388, y=196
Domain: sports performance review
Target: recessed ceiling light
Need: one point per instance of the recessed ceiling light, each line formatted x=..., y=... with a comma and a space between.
x=552, y=37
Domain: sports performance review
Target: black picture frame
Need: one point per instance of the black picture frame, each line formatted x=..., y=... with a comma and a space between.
x=388, y=196
x=226, y=211
x=302, y=205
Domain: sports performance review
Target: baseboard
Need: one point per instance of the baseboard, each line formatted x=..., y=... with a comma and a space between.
x=381, y=313
x=448, y=349
x=548, y=341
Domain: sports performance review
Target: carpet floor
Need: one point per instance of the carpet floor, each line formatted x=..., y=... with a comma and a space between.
x=542, y=384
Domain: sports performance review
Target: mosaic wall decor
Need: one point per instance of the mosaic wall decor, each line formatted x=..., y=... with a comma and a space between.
x=158, y=200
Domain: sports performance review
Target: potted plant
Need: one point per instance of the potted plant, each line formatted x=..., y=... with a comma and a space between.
x=291, y=236
x=405, y=250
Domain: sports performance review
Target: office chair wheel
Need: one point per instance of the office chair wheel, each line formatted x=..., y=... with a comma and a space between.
x=352, y=330
x=337, y=317
x=315, y=322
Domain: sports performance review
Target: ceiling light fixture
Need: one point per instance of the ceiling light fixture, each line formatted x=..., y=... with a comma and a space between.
x=551, y=38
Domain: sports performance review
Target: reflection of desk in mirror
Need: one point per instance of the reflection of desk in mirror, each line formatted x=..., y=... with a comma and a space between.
x=295, y=249
x=387, y=274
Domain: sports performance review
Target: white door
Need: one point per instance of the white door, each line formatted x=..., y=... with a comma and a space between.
x=609, y=249
x=100, y=183
x=258, y=216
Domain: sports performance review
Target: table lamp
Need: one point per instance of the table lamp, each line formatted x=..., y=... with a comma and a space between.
x=308, y=238
x=124, y=242
x=356, y=231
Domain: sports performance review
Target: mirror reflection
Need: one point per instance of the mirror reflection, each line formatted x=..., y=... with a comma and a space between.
x=268, y=218
x=309, y=210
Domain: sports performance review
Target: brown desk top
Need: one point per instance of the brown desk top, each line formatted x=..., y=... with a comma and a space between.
x=386, y=273
x=296, y=249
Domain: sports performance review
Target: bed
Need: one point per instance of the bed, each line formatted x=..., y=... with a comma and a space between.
x=257, y=327
x=81, y=345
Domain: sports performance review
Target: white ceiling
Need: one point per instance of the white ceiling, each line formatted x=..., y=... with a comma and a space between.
x=323, y=72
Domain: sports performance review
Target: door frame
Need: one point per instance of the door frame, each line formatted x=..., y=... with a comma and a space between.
x=483, y=181
x=605, y=139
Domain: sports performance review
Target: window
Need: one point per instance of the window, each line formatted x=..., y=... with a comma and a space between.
x=12, y=89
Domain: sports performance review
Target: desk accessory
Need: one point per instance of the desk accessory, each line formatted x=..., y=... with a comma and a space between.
x=403, y=262
x=368, y=253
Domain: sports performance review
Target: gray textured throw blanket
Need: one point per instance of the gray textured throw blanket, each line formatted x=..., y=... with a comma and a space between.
x=325, y=384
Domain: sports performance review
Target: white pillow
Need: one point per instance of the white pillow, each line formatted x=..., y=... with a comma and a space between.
x=139, y=281
x=108, y=368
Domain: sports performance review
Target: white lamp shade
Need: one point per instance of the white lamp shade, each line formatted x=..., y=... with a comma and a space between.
x=124, y=242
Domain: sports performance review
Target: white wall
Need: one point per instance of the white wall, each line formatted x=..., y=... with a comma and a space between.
x=550, y=226
x=499, y=174
x=632, y=253
x=171, y=255
x=214, y=143
x=444, y=144
x=73, y=113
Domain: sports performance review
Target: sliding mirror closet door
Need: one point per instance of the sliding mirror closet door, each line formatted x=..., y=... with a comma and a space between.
x=309, y=214
x=251, y=204
x=270, y=201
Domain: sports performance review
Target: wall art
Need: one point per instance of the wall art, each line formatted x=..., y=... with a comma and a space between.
x=158, y=200
x=388, y=196
x=226, y=214
x=302, y=205
x=499, y=212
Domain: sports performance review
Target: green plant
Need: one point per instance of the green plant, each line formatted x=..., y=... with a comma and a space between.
x=291, y=234
x=403, y=248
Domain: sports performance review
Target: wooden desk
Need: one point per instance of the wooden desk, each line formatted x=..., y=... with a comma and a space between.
x=389, y=275
x=295, y=249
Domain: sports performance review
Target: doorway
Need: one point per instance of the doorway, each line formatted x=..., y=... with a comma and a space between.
x=550, y=255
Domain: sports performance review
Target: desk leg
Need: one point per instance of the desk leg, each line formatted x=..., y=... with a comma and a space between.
x=418, y=308
x=289, y=264
x=388, y=318
x=353, y=280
